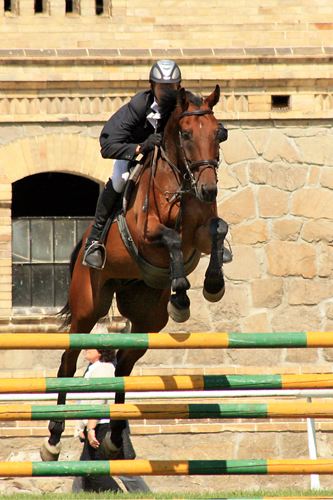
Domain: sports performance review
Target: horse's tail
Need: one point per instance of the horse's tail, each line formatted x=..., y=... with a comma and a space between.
x=65, y=312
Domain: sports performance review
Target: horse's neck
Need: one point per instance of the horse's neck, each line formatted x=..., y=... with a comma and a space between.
x=171, y=135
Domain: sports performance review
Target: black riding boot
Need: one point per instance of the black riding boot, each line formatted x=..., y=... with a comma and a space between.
x=94, y=250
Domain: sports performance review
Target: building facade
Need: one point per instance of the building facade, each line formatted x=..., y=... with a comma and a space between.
x=66, y=66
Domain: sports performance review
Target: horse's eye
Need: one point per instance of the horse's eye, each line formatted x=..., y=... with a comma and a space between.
x=186, y=136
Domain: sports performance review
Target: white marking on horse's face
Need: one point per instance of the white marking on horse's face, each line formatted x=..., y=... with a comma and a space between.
x=200, y=125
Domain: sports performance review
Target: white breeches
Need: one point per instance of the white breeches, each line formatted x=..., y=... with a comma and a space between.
x=120, y=174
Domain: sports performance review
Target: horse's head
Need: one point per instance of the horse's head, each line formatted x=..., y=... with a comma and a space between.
x=198, y=151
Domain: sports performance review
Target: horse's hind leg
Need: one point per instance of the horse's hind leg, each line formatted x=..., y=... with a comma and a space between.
x=52, y=446
x=146, y=308
x=113, y=440
x=213, y=289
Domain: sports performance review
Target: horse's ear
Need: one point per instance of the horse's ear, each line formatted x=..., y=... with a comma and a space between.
x=183, y=101
x=213, y=98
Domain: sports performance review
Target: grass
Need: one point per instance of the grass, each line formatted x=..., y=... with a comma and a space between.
x=170, y=495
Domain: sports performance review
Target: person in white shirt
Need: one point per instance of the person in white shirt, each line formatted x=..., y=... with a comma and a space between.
x=93, y=431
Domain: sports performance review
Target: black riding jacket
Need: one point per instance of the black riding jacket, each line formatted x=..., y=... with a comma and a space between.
x=129, y=127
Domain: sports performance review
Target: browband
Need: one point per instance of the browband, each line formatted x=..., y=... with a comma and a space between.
x=197, y=112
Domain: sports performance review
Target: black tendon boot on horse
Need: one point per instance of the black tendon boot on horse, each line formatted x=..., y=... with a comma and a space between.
x=94, y=250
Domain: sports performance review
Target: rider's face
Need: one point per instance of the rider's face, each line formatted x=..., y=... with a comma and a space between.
x=158, y=88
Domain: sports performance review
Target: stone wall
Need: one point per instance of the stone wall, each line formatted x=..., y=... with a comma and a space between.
x=275, y=190
x=162, y=25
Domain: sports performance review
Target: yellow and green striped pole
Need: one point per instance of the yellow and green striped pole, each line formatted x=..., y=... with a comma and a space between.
x=166, y=468
x=169, y=411
x=166, y=383
x=165, y=340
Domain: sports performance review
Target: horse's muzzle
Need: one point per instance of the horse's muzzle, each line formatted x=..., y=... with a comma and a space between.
x=207, y=194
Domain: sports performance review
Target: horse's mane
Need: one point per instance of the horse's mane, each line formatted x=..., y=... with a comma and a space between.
x=168, y=100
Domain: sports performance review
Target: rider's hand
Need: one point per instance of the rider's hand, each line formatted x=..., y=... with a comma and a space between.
x=150, y=143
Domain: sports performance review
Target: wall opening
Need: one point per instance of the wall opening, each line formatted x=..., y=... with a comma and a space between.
x=99, y=7
x=103, y=7
x=72, y=7
x=41, y=6
x=280, y=102
x=54, y=194
x=50, y=213
x=11, y=7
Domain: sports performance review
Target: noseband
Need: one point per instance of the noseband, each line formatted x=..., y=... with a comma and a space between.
x=210, y=163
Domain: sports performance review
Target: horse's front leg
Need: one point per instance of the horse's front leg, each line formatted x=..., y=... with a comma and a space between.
x=213, y=289
x=179, y=303
x=51, y=446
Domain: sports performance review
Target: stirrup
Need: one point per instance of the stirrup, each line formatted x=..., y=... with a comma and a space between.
x=94, y=248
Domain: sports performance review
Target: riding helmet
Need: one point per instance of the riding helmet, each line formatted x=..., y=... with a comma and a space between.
x=165, y=71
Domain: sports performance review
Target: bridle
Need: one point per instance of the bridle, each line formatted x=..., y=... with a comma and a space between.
x=190, y=166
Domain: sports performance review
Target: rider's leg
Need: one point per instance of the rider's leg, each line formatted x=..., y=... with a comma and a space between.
x=94, y=253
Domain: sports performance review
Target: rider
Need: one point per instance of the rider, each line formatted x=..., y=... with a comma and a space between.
x=131, y=133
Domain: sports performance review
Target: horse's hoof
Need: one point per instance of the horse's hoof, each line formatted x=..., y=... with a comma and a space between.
x=178, y=315
x=109, y=449
x=213, y=297
x=48, y=452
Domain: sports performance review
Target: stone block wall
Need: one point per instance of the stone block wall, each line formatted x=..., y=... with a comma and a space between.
x=218, y=23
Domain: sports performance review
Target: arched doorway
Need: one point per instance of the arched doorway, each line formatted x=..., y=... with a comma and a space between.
x=50, y=212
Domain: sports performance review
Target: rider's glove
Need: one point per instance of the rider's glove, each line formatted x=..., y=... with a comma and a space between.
x=150, y=143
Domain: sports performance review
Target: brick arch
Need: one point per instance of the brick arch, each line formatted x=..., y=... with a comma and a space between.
x=68, y=153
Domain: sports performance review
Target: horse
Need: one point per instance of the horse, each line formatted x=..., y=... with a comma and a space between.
x=168, y=219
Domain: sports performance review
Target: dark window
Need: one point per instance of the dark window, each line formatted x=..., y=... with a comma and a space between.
x=39, y=6
x=72, y=6
x=103, y=7
x=281, y=102
x=41, y=251
x=99, y=6
x=11, y=7
x=53, y=194
x=50, y=211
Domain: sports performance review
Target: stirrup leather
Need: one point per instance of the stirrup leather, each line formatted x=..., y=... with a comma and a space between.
x=95, y=245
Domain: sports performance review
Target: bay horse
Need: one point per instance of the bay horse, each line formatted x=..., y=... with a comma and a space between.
x=169, y=217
